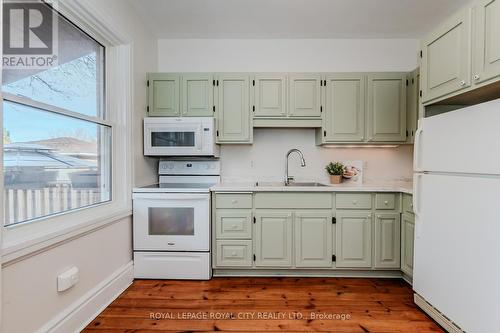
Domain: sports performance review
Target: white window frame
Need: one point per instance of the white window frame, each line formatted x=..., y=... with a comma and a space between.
x=26, y=238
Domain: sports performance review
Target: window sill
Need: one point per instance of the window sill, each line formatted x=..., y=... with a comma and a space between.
x=26, y=240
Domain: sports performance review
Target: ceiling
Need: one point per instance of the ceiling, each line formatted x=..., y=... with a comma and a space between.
x=293, y=18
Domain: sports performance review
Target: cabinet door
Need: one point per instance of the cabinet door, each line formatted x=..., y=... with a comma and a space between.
x=344, y=114
x=446, y=58
x=387, y=240
x=407, y=239
x=387, y=107
x=412, y=105
x=305, y=95
x=270, y=95
x=487, y=56
x=233, y=109
x=197, y=95
x=273, y=238
x=163, y=95
x=313, y=238
x=354, y=239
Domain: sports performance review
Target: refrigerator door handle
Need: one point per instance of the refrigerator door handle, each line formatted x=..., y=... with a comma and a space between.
x=416, y=149
x=416, y=204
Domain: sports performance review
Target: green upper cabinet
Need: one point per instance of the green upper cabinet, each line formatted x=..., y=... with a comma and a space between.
x=305, y=95
x=313, y=238
x=412, y=104
x=386, y=107
x=270, y=95
x=446, y=57
x=197, y=95
x=163, y=95
x=342, y=107
x=344, y=111
x=273, y=238
x=234, y=122
x=487, y=41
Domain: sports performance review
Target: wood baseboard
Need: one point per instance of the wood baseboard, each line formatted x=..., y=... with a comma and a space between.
x=446, y=323
x=87, y=307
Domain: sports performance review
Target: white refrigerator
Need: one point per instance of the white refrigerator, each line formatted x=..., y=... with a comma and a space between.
x=457, y=212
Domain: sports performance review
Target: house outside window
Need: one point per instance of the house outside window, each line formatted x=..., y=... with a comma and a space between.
x=56, y=136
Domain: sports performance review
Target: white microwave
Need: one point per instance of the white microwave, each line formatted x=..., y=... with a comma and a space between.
x=193, y=136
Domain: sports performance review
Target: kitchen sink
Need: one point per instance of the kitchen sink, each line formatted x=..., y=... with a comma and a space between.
x=292, y=184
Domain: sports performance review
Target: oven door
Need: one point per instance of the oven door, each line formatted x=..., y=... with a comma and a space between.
x=171, y=221
x=173, y=138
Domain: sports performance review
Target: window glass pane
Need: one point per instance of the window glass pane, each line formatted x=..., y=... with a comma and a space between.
x=52, y=163
x=172, y=139
x=75, y=83
x=171, y=221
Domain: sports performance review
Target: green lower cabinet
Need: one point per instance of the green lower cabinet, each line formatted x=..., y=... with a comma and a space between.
x=234, y=253
x=387, y=240
x=407, y=203
x=354, y=239
x=273, y=238
x=297, y=230
x=233, y=223
x=313, y=238
x=407, y=241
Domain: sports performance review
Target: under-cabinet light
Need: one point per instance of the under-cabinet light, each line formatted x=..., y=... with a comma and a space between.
x=360, y=146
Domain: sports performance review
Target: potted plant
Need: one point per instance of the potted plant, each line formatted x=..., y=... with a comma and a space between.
x=335, y=170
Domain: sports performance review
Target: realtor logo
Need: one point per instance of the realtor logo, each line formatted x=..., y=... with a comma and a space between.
x=29, y=35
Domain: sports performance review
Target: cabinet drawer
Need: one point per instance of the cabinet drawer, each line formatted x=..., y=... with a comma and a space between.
x=353, y=201
x=234, y=253
x=233, y=200
x=233, y=223
x=385, y=201
x=280, y=200
x=407, y=203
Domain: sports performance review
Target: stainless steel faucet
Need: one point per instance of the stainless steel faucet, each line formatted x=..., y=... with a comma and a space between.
x=302, y=164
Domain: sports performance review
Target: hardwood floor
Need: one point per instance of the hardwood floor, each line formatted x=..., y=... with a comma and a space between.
x=265, y=305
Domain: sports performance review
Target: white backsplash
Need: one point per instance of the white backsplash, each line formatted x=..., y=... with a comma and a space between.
x=265, y=159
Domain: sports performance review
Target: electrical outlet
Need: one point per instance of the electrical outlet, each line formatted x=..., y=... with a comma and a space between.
x=67, y=279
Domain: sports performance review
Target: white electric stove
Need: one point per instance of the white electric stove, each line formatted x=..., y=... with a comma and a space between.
x=172, y=221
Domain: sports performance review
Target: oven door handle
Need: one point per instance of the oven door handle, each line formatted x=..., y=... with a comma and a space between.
x=171, y=196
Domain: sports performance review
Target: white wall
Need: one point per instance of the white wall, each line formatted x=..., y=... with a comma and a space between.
x=145, y=59
x=264, y=160
x=30, y=299
x=30, y=294
x=286, y=55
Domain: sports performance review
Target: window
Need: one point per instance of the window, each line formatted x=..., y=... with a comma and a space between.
x=56, y=141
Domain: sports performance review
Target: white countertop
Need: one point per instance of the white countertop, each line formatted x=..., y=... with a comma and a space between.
x=388, y=186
